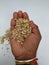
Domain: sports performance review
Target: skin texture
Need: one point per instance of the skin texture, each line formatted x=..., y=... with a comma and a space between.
x=29, y=48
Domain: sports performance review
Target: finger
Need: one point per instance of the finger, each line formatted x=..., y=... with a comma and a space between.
x=25, y=16
x=35, y=28
x=15, y=15
x=20, y=14
x=12, y=24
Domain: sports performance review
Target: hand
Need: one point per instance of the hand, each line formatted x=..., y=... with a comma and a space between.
x=29, y=48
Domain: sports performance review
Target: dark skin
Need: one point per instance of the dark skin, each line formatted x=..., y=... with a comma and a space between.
x=28, y=49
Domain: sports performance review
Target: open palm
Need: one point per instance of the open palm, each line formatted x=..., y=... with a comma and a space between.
x=28, y=49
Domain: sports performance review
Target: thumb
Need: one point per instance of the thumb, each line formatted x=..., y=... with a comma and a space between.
x=34, y=27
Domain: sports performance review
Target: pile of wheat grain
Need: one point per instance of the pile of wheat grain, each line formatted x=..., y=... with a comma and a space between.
x=20, y=32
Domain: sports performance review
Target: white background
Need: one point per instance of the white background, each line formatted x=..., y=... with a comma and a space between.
x=38, y=11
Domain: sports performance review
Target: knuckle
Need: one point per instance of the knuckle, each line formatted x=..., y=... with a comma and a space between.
x=36, y=26
x=40, y=37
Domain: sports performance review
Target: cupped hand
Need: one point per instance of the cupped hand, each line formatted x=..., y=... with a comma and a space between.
x=28, y=49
